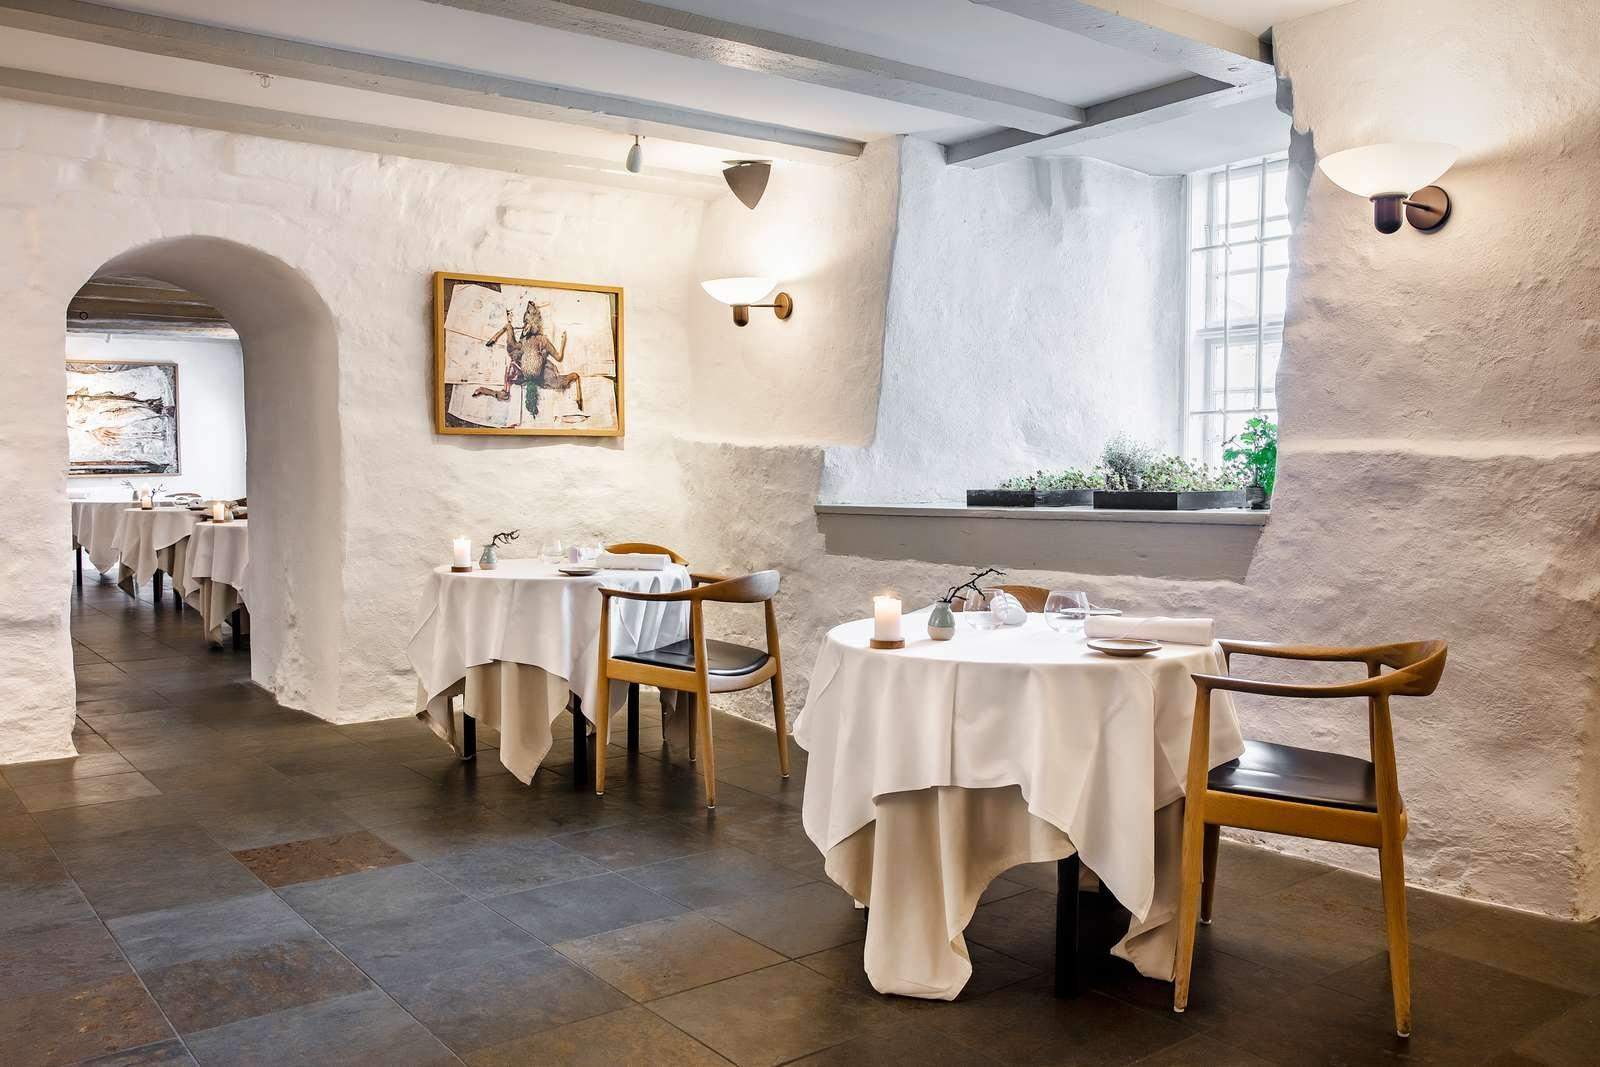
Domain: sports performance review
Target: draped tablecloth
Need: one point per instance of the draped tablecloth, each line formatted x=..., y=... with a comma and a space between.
x=144, y=536
x=935, y=768
x=216, y=569
x=517, y=639
x=94, y=528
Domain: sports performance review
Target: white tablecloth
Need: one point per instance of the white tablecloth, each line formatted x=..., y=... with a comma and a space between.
x=94, y=527
x=1094, y=747
x=216, y=572
x=472, y=628
x=142, y=534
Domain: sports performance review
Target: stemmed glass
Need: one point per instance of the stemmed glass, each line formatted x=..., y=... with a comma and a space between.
x=1064, y=608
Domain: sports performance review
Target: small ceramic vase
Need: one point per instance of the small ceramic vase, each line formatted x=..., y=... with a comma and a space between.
x=941, y=621
x=488, y=560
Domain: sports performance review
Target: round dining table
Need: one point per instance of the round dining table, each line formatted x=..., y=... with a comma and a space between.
x=936, y=767
x=151, y=540
x=94, y=531
x=521, y=643
x=215, y=576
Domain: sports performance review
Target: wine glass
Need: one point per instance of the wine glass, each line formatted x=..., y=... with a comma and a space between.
x=978, y=610
x=1065, y=607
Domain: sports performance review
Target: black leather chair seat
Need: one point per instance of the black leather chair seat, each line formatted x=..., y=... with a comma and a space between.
x=726, y=660
x=1298, y=775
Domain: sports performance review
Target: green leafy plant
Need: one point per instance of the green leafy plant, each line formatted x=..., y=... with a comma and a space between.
x=1127, y=464
x=1252, y=453
x=1054, y=481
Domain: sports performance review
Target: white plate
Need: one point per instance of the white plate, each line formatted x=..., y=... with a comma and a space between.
x=578, y=572
x=1123, y=646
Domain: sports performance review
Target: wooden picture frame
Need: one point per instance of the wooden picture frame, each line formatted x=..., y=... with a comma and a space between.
x=111, y=468
x=526, y=357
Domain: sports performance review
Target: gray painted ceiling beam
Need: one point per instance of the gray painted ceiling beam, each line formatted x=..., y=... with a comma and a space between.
x=1156, y=31
x=99, y=97
x=245, y=51
x=1164, y=103
x=1151, y=107
x=730, y=44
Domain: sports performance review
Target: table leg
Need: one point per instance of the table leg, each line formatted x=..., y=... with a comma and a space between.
x=580, y=746
x=177, y=597
x=235, y=620
x=633, y=716
x=79, y=550
x=1069, y=979
x=469, y=736
x=155, y=588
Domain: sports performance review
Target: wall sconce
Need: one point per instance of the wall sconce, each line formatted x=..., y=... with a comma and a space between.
x=1393, y=176
x=742, y=294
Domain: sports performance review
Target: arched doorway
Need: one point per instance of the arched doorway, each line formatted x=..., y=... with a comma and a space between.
x=289, y=348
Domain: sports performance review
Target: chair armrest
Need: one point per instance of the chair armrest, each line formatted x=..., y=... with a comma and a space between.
x=1299, y=652
x=691, y=593
x=1365, y=687
x=706, y=578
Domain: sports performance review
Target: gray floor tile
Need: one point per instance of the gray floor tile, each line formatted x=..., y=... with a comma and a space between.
x=157, y=939
x=339, y=905
x=632, y=1035
x=251, y=980
x=68, y=956
x=67, y=1025
x=495, y=870
x=360, y=1028
x=569, y=910
x=77, y=792
x=723, y=876
x=796, y=922
x=434, y=939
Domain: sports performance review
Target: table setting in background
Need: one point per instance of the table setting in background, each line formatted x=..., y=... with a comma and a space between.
x=518, y=640
x=955, y=742
x=214, y=580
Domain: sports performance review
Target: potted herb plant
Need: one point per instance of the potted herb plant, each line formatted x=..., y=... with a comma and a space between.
x=1252, y=454
x=1046, y=489
x=1139, y=477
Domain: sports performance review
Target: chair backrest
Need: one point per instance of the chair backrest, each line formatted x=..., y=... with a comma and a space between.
x=1417, y=666
x=629, y=548
x=1031, y=597
x=749, y=589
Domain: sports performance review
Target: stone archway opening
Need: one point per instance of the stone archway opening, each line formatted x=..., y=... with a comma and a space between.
x=289, y=344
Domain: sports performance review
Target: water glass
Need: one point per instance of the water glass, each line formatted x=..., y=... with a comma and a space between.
x=978, y=611
x=554, y=551
x=1064, y=608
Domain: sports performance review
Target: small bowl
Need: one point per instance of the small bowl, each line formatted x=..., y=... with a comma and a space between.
x=1123, y=646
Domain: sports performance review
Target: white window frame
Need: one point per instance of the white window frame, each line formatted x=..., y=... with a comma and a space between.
x=1200, y=343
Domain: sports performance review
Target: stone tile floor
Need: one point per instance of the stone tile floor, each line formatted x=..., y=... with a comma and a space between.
x=217, y=879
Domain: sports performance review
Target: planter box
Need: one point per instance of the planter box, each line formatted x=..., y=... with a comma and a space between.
x=1063, y=498
x=999, y=498
x=1162, y=500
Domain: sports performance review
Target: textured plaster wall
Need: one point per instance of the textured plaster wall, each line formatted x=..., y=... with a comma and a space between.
x=1035, y=307
x=1440, y=472
x=328, y=254
x=211, y=437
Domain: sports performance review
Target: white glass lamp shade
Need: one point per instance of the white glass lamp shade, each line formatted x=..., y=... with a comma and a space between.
x=736, y=291
x=1397, y=169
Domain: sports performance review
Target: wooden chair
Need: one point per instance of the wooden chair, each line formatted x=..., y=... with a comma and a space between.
x=1032, y=597
x=697, y=666
x=644, y=547
x=1283, y=790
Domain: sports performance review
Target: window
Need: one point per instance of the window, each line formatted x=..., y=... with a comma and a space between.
x=1238, y=285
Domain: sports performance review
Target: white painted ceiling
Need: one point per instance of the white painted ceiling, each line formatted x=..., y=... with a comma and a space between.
x=951, y=36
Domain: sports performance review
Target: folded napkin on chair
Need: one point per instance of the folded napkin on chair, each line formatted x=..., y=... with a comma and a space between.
x=632, y=561
x=1154, y=628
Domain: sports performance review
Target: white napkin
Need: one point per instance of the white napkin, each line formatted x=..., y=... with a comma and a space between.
x=632, y=561
x=1154, y=628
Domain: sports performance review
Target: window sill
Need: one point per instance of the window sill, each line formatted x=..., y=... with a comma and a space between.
x=1207, y=545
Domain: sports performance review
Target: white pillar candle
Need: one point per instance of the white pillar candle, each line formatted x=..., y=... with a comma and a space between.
x=144, y=498
x=217, y=512
x=886, y=618
x=463, y=552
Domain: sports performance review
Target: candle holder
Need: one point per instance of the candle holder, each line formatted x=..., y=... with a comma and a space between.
x=460, y=570
x=875, y=643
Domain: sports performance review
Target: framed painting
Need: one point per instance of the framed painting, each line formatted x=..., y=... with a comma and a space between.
x=122, y=418
x=517, y=356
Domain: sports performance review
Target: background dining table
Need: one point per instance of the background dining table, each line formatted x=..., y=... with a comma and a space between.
x=519, y=641
x=94, y=530
x=936, y=767
x=215, y=576
x=150, y=540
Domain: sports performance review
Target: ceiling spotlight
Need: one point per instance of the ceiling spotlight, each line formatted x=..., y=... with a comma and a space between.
x=748, y=179
x=635, y=157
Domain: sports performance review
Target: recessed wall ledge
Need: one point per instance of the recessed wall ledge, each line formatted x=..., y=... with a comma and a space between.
x=1201, y=545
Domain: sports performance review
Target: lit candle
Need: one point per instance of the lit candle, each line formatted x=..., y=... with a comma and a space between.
x=463, y=552
x=217, y=512
x=886, y=618
x=144, y=498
